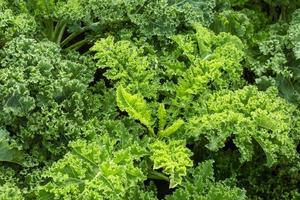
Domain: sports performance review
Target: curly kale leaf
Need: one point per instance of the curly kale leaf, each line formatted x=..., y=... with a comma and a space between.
x=128, y=65
x=136, y=107
x=156, y=18
x=273, y=57
x=164, y=16
x=13, y=23
x=10, y=191
x=236, y=23
x=9, y=152
x=272, y=43
x=200, y=184
x=44, y=93
x=214, y=63
x=248, y=116
x=9, y=185
x=93, y=170
x=173, y=158
x=294, y=33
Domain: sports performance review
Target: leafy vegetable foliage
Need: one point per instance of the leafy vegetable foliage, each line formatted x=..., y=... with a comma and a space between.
x=9, y=185
x=173, y=158
x=43, y=93
x=95, y=170
x=9, y=152
x=248, y=116
x=199, y=184
x=136, y=99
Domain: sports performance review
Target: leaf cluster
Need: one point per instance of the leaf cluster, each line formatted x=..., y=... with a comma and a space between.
x=138, y=99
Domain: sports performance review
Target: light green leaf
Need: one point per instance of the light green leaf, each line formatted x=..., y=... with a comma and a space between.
x=93, y=170
x=171, y=129
x=173, y=158
x=161, y=115
x=136, y=107
x=200, y=184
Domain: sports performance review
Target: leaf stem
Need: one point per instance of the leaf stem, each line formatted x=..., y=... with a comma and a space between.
x=71, y=37
x=158, y=176
x=76, y=33
x=151, y=131
x=49, y=29
x=77, y=45
x=59, y=31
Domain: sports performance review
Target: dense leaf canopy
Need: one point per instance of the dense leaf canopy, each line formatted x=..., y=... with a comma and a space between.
x=149, y=99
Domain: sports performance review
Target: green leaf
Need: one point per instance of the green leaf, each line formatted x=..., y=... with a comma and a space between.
x=173, y=158
x=7, y=152
x=136, y=107
x=93, y=170
x=18, y=101
x=171, y=129
x=161, y=115
x=247, y=115
x=294, y=33
x=200, y=184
